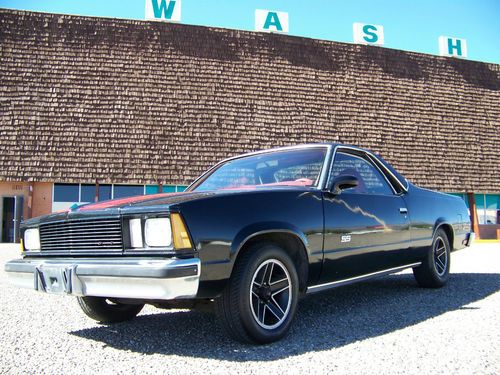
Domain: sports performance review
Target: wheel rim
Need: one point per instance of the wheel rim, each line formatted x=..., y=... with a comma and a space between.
x=440, y=257
x=271, y=294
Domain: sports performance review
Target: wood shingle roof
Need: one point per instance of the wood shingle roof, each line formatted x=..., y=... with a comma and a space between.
x=85, y=99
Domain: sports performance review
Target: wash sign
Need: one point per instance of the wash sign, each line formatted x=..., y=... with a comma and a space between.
x=163, y=10
x=271, y=21
x=368, y=34
x=455, y=47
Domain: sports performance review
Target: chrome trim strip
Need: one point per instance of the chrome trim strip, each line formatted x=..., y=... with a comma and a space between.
x=379, y=164
x=376, y=165
x=162, y=279
x=323, y=179
x=334, y=284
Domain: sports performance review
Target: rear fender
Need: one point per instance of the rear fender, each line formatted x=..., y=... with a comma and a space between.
x=447, y=227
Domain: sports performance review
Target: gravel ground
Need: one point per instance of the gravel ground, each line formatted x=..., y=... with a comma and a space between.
x=387, y=325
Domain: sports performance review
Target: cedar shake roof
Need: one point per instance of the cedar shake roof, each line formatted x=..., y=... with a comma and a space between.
x=85, y=99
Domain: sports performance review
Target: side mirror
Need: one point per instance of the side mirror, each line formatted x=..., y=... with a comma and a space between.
x=344, y=182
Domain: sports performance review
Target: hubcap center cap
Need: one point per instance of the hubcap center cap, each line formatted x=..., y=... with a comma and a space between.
x=265, y=293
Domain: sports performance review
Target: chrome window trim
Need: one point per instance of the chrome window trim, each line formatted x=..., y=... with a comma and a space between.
x=375, y=164
x=371, y=156
x=324, y=169
x=380, y=165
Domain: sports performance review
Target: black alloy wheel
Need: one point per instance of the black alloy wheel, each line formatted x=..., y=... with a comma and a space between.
x=271, y=294
x=435, y=268
x=260, y=300
x=440, y=257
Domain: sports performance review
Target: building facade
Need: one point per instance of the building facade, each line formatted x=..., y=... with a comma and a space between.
x=96, y=108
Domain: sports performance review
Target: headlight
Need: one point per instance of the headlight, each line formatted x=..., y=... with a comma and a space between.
x=157, y=232
x=32, y=239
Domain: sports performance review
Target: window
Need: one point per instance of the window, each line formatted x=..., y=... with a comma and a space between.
x=298, y=172
x=152, y=189
x=371, y=181
x=66, y=192
x=87, y=193
x=488, y=208
x=295, y=167
x=492, y=208
x=66, y=195
x=104, y=192
x=169, y=189
x=229, y=176
x=124, y=191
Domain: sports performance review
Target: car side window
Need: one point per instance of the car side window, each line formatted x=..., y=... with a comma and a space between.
x=371, y=181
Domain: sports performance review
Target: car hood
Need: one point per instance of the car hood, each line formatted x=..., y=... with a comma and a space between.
x=115, y=207
x=144, y=200
x=141, y=204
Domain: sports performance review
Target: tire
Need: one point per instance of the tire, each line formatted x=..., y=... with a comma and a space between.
x=104, y=311
x=435, y=268
x=260, y=300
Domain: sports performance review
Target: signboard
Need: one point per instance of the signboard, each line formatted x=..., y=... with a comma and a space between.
x=163, y=10
x=368, y=34
x=271, y=21
x=455, y=47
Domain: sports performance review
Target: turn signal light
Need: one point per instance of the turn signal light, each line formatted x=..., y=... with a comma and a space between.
x=180, y=233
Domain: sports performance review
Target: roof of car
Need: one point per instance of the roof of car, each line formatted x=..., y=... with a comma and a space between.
x=402, y=180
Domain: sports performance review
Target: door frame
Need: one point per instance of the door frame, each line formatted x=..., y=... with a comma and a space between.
x=18, y=214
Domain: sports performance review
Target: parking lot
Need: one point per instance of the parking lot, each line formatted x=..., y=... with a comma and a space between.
x=387, y=325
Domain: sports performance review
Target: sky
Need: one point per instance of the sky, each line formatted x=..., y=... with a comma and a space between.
x=412, y=25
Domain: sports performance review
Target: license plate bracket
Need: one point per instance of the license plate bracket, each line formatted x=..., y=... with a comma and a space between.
x=53, y=279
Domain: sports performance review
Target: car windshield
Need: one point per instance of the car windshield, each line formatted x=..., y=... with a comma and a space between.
x=294, y=167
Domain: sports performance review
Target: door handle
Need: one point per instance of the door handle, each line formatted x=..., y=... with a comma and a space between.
x=403, y=210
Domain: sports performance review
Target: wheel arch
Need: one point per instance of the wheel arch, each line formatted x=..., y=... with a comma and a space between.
x=448, y=229
x=292, y=241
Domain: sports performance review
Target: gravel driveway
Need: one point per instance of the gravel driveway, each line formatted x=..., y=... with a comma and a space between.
x=387, y=325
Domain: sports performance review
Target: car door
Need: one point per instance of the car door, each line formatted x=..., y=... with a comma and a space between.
x=366, y=227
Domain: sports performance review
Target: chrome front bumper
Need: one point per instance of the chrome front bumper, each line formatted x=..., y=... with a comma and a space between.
x=161, y=279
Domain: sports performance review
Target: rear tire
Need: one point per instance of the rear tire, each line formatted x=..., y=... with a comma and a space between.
x=260, y=300
x=105, y=311
x=435, y=268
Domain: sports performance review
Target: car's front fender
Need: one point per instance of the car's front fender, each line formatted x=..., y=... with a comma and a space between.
x=262, y=228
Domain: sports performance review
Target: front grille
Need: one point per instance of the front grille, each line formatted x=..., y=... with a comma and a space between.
x=76, y=236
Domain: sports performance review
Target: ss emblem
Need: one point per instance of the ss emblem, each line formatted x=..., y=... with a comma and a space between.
x=345, y=238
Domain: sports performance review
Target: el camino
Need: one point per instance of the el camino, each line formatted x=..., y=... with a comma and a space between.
x=249, y=236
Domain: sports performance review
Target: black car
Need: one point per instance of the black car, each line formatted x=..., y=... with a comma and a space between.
x=249, y=236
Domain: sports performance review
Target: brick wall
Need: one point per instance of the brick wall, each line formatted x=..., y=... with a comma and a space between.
x=132, y=101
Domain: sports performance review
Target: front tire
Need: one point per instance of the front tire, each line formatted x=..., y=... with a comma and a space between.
x=435, y=268
x=260, y=300
x=105, y=311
